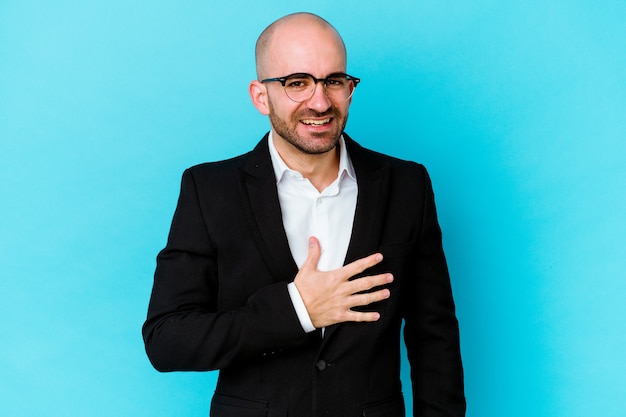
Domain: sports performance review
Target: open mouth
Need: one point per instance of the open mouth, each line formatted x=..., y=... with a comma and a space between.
x=316, y=122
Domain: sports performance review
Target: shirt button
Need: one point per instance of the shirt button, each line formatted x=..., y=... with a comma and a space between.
x=321, y=365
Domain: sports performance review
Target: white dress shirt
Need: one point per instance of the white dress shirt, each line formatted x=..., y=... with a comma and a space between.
x=327, y=215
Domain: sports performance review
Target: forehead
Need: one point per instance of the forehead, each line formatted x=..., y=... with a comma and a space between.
x=311, y=48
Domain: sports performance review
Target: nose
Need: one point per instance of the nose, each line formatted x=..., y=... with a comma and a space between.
x=319, y=101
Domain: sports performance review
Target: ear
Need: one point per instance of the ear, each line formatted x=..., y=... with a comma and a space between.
x=258, y=94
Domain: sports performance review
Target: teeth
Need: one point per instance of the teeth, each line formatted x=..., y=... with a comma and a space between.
x=316, y=122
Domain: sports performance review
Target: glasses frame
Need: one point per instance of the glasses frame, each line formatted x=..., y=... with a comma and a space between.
x=283, y=81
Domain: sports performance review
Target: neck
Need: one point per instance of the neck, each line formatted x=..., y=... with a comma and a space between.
x=320, y=169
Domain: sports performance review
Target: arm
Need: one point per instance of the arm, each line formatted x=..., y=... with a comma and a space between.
x=185, y=328
x=431, y=328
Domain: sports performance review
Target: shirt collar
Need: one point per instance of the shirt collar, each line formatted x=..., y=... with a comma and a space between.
x=280, y=167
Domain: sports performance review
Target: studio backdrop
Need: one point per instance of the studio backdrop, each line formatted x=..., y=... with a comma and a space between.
x=517, y=109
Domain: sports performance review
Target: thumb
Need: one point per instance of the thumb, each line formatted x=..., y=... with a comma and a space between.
x=315, y=252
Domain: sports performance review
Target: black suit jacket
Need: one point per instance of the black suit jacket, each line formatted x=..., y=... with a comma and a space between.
x=220, y=298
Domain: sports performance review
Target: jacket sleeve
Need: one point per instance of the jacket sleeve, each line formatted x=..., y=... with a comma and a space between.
x=185, y=329
x=431, y=329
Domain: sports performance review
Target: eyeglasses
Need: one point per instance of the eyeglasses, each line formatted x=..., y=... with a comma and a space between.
x=300, y=87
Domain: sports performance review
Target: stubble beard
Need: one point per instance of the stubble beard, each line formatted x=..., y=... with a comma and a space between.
x=289, y=132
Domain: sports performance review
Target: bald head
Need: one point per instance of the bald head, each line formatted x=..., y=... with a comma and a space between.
x=283, y=29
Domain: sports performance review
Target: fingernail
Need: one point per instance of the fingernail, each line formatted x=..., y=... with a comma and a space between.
x=379, y=257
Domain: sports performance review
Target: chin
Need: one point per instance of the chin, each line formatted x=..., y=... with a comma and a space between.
x=315, y=146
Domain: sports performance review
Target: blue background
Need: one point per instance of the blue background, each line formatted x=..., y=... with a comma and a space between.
x=517, y=108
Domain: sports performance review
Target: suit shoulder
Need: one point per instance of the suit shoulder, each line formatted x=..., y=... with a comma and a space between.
x=397, y=162
x=215, y=167
x=377, y=158
x=259, y=156
x=213, y=176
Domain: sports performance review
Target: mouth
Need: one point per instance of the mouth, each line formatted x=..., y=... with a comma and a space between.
x=316, y=122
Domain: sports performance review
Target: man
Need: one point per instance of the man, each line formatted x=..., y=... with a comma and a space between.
x=291, y=268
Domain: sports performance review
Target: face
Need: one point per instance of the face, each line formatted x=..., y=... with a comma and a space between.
x=314, y=126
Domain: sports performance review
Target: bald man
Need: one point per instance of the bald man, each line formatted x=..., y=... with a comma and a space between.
x=291, y=269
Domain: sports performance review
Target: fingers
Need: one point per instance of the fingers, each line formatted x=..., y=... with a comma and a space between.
x=355, y=316
x=350, y=270
x=362, y=264
x=363, y=299
x=314, y=254
x=367, y=283
x=362, y=317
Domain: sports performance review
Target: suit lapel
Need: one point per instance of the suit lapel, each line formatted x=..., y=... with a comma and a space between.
x=373, y=180
x=262, y=207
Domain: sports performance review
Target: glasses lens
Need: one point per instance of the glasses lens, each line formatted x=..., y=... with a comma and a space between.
x=300, y=87
x=338, y=87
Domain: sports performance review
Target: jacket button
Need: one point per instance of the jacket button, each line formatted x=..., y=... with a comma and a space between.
x=321, y=365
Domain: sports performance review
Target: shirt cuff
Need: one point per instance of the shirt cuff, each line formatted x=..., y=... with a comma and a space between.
x=298, y=304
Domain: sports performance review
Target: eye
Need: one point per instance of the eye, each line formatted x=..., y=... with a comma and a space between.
x=336, y=81
x=297, y=83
